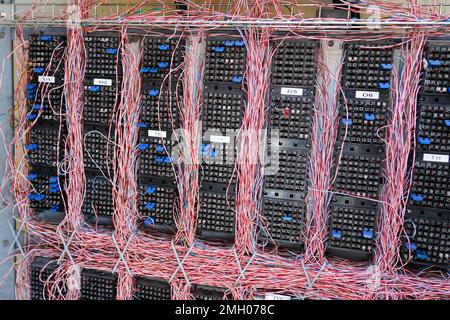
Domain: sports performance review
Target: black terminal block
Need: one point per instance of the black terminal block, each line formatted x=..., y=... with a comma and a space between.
x=98, y=148
x=98, y=285
x=103, y=56
x=427, y=239
x=101, y=97
x=223, y=108
x=161, y=56
x=367, y=66
x=430, y=183
x=287, y=166
x=291, y=116
x=294, y=63
x=216, y=215
x=46, y=144
x=436, y=79
x=155, y=154
x=160, y=107
x=151, y=289
x=218, y=159
x=285, y=213
x=362, y=121
x=98, y=199
x=225, y=60
x=46, y=190
x=359, y=171
x=352, y=228
x=41, y=271
x=433, y=132
x=45, y=101
x=202, y=292
x=158, y=199
x=46, y=54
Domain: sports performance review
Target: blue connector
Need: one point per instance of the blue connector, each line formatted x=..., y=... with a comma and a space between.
x=367, y=233
x=53, y=179
x=434, y=63
x=46, y=38
x=39, y=70
x=336, y=233
x=149, y=221
x=164, y=47
x=417, y=197
x=31, y=95
x=38, y=106
x=31, y=117
x=150, y=190
x=142, y=125
x=32, y=146
x=145, y=70
x=288, y=217
x=54, y=208
x=236, y=79
x=384, y=85
x=239, y=43
x=163, y=64
x=150, y=205
x=160, y=148
x=425, y=141
x=153, y=92
x=369, y=116
x=31, y=86
x=167, y=160
x=153, y=70
x=447, y=122
x=32, y=176
x=347, y=122
x=143, y=146
x=54, y=190
x=94, y=88
x=386, y=66
x=422, y=255
x=159, y=159
x=111, y=50
x=219, y=49
x=213, y=153
x=205, y=149
x=411, y=246
x=36, y=197
x=229, y=43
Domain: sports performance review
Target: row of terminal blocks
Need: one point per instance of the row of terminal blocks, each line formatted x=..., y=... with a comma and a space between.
x=102, y=285
x=361, y=126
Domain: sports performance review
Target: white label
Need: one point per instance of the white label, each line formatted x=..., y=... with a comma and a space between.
x=273, y=296
x=103, y=82
x=220, y=139
x=46, y=79
x=292, y=91
x=435, y=157
x=367, y=95
x=156, y=133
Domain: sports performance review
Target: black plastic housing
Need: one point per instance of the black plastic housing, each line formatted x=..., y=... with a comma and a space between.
x=98, y=285
x=151, y=289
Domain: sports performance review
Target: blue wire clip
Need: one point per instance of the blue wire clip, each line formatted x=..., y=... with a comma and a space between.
x=160, y=148
x=32, y=176
x=111, y=50
x=411, y=246
x=153, y=92
x=31, y=117
x=229, y=43
x=38, y=106
x=143, y=146
x=447, y=122
x=386, y=66
x=236, y=79
x=288, y=217
x=425, y=141
x=150, y=205
x=39, y=70
x=336, y=233
x=94, y=88
x=150, y=190
x=239, y=43
x=369, y=116
x=142, y=125
x=417, y=197
x=384, y=85
x=219, y=49
x=54, y=208
x=213, y=153
x=149, y=221
x=32, y=146
x=159, y=159
x=367, y=233
x=347, y=122
x=167, y=160
x=422, y=255
x=46, y=38
x=53, y=179
x=36, y=197
x=163, y=64
x=164, y=47
x=434, y=63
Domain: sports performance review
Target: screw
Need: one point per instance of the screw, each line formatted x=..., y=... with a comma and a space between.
x=5, y=243
x=2, y=35
x=330, y=43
